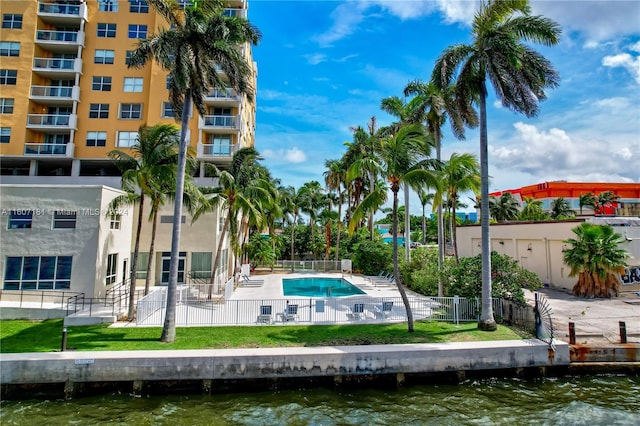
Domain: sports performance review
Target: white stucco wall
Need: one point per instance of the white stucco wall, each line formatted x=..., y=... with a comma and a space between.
x=88, y=243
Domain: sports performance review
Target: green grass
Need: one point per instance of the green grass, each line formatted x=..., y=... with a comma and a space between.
x=46, y=336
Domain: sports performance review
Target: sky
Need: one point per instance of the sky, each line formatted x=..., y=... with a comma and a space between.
x=324, y=67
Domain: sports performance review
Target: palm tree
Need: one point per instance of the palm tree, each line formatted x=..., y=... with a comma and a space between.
x=400, y=157
x=311, y=201
x=460, y=173
x=604, y=199
x=504, y=207
x=333, y=178
x=519, y=75
x=425, y=198
x=560, y=208
x=587, y=200
x=596, y=258
x=532, y=210
x=147, y=168
x=200, y=39
x=327, y=217
x=291, y=210
x=436, y=105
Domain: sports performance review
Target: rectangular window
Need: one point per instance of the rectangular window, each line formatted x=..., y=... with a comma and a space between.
x=127, y=58
x=114, y=220
x=38, y=273
x=168, y=86
x=112, y=267
x=5, y=134
x=167, y=110
x=127, y=139
x=138, y=6
x=106, y=30
x=133, y=84
x=101, y=83
x=131, y=111
x=102, y=56
x=141, y=267
x=108, y=5
x=96, y=138
x=12, y=21
x=64, y=219
x=9, y=48
x=99, y=111
x=201, y=264
x=137, y=31
x=8, y=77
x=20, y=219
x=6, y=105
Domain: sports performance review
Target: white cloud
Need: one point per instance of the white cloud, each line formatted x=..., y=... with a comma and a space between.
x=346, y=18
x=625, y=61
x=315, y=58
x=291, y=155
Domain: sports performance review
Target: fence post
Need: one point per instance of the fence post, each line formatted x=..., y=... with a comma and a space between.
x=572, y=333
x=623, y=332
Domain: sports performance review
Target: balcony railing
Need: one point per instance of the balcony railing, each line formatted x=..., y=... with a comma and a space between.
x=59, y=121
x=216, y=150
x=55, y=93
x=60, y=10
x=67, y=36
x=223, y=121
x=223, y=94
x=53, y=149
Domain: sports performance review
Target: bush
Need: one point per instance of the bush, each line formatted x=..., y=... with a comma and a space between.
x=421, y=273
x=507, y=278
x=371, y=257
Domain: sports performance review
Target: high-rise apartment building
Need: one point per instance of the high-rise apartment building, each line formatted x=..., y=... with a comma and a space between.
x=67, y=98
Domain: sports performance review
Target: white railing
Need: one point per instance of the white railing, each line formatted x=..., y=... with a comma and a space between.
x=57, y=64
x=61, y=9
x=227, y=93
x=49, y=149
x=64, y=36
x=57, y=92
x=227, y=121
x=216, y=150
x=53, y=120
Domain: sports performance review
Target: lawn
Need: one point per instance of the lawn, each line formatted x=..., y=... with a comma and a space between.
x=46, y=336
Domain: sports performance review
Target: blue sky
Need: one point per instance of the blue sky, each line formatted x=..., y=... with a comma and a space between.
x=324, y=66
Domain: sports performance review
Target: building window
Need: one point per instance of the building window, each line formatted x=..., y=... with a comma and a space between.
x=6, y=105
x=96, y=138
x=127, y=58
x=99, y=111
x=138, y=6
x=167, y=110
x=101, y=83
x=9, y=48
x=112, y=267
x=106, y=30
x=103, y=56
x=131, y=111
x=108, y=5
x=141, y=266
x=8, y=77
x=184, y=3
x=5, y=134
x=221, y=223
x=201, y=264
x=133, y=84
x=12, y=21
x=137, y=31
x=20, y=219
x=127, y=139
x=114, y=220
x=64, y=219
x=168, y=85
x=38, y=273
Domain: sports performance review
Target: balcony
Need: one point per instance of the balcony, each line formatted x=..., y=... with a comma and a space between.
x=215, y=123
x=216, y=151
x=55, y=95
x=240, y=13
x=60, y=41
x=62, y=14
x=222, y=97
x=49, y=149
x=57, y=69
x=46, y=122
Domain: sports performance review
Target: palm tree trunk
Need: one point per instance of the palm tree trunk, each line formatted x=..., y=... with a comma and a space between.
x=225, y=227
x=440, y=224
x=396, y=270
x=407, y=225
x=169, y=328
x=154, y=226
x=339, y=223
x=293, y=235
x=134, y=262
x=486, y=322
x=454, y=223
x=424, y=226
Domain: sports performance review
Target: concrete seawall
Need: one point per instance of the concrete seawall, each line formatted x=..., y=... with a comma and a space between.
x=274, y=363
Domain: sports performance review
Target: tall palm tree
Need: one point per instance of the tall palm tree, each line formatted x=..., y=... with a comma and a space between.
x=199, y=39
x=504, y=207
x=147, y=168
x=334, y=176
x=291, y=210
x=603, y=200
x=560, y=208
x=532, y=209
x=587, y=200
x=327, y=217
x=460, y=173
x=400, y=157
x=311, y=201
x=519, y=76
x=425, y=198
x=596, y=258
x=436, y=105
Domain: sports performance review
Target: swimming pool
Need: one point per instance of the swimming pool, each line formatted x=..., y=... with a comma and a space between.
x=319, y=287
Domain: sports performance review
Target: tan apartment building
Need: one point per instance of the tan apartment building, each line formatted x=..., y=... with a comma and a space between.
x=67, y=98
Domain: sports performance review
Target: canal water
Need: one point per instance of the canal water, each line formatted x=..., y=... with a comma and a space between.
x=594, y=400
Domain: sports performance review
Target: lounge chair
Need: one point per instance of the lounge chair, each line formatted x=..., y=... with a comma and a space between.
x=375, y=277
x=265, y=314
x=357, y=313
x=245, y=280
x=388, y=279
x=290, y=314
x=384, y=311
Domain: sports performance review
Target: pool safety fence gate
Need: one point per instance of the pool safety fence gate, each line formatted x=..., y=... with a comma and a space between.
x=192, y=310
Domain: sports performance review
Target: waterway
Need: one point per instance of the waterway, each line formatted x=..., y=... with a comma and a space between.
x=594, y=400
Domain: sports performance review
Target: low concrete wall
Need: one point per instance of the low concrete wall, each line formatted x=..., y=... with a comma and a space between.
x=9, y=313
x=284, y=363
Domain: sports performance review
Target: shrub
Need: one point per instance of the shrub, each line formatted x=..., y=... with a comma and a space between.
x=371, y=257
x=421, y=273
